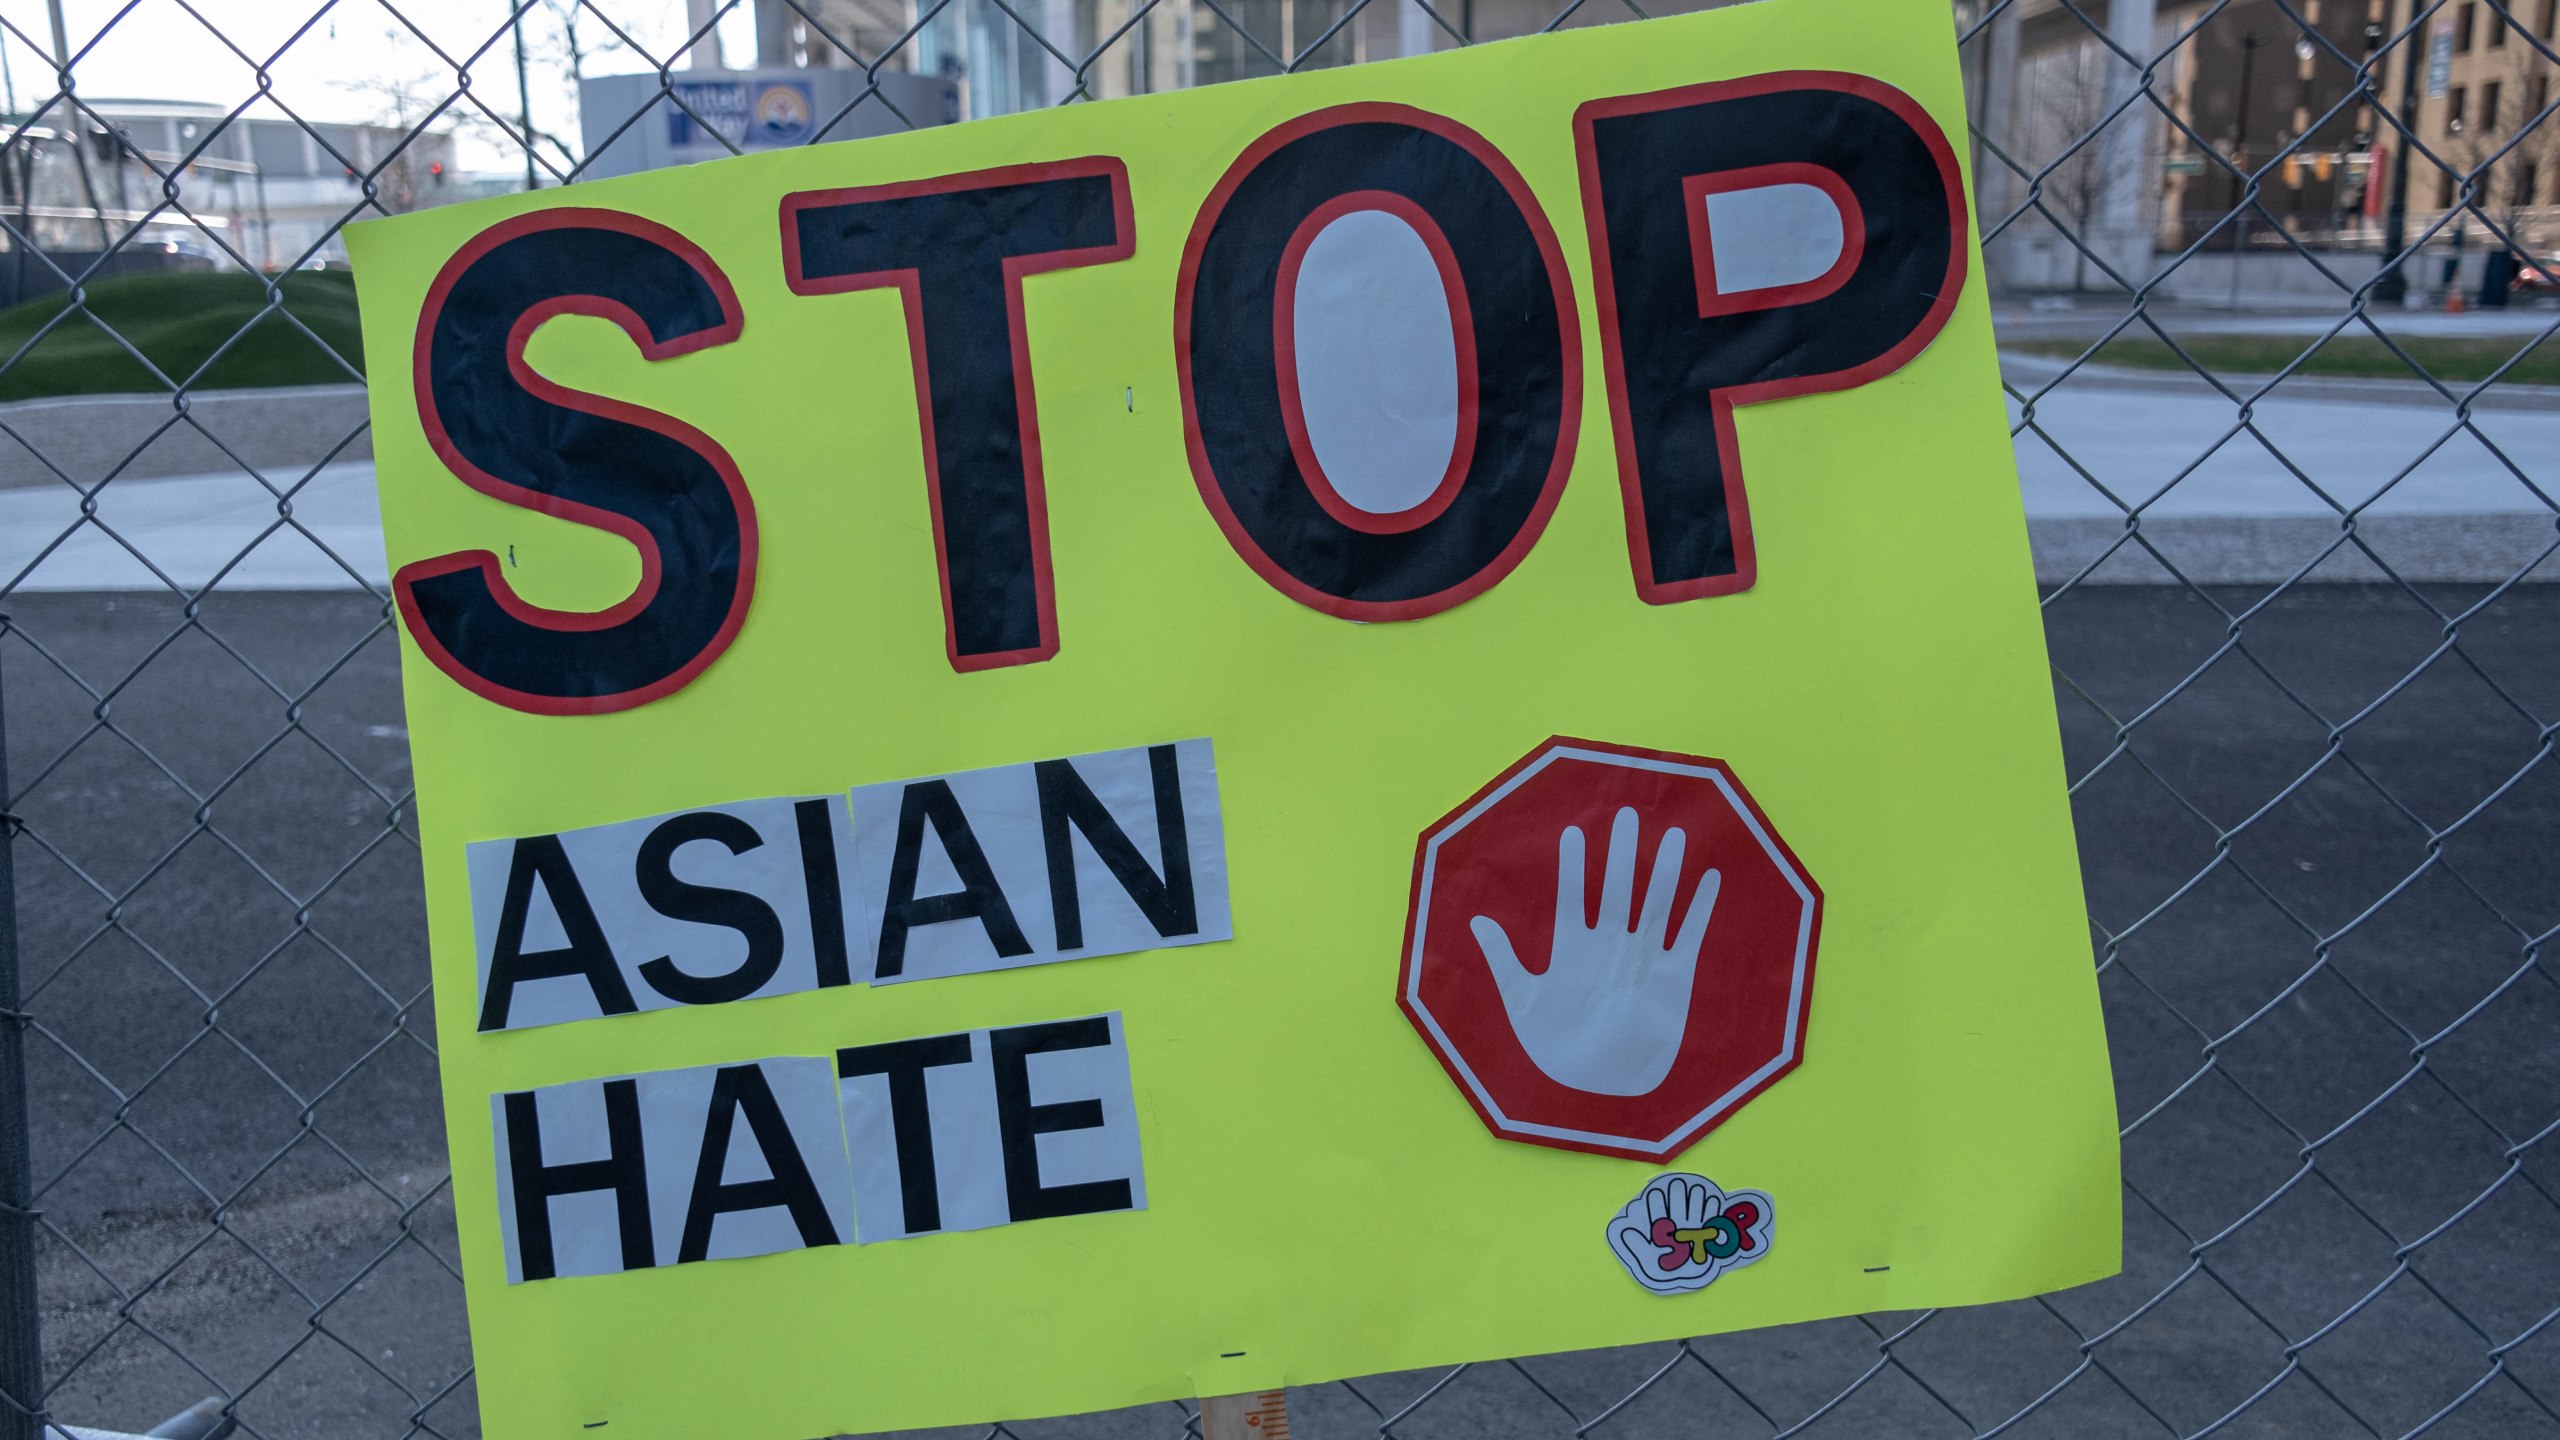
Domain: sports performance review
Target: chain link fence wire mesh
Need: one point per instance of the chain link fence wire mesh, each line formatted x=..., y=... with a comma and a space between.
x=2289, y=527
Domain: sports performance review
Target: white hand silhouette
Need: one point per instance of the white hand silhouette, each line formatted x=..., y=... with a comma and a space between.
x=1608, y=1012
x=1647, y=1233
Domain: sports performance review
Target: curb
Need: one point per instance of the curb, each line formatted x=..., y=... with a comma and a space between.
x=2035, y=372
x=2265, y=550
x=131, y=436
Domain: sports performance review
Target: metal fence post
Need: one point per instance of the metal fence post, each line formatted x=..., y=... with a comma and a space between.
x=21, y=1353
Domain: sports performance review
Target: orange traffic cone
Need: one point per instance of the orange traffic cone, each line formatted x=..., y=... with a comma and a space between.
x=2453, y=300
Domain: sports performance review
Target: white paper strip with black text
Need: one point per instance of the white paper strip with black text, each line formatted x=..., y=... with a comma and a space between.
x=1100, y=854
x=987, y=1127
x=701, y=907
x=716, y=1162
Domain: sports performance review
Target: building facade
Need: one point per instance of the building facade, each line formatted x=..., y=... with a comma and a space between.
x=1169, y=45
x=2265, y=142
x=2488, y=142
x=270, y=191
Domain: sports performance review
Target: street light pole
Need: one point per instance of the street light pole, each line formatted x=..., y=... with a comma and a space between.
x=76, y=129
x=2394, y=286
x=2239, y=157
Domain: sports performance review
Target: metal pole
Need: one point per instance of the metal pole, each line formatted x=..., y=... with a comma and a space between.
x=74, y=126
x=2453, y=262
x=2394, y=285
x=2128, y=174
x=1996, y=103
x=773, y=35
x=266, y=226
x=701, y=19
x=1413, y=30
x=21, y=1350
x=524, y=103
x=24, y=152
x=2240, y=159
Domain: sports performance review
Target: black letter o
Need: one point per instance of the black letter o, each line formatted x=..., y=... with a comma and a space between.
x=1514, y=444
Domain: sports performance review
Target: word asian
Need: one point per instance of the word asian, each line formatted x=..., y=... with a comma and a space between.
x=1098, y=854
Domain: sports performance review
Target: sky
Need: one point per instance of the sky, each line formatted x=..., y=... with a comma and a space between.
x=354, y=60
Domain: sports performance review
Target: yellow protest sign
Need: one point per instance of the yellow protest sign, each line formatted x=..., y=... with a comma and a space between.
x=1318, y=726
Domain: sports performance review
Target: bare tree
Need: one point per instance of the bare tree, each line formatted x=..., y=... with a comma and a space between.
x=571, y=45
x=2509, y=142
x=401, y=177
x=2066, y=103
x=415, y=92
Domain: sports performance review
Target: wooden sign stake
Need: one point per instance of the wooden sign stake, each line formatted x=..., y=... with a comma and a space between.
x=1245, y=1417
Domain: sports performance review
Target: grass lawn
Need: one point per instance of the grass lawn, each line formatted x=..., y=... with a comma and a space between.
x=2448, y=358
x=179, y=321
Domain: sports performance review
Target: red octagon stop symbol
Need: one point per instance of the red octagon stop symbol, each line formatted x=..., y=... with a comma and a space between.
x=1610, y=949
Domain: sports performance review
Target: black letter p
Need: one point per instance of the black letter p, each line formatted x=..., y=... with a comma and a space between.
x=1778, y=235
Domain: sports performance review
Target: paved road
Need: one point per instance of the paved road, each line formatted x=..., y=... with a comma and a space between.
x=331, y=1015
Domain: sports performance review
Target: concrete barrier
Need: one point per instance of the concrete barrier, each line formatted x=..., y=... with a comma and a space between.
x=89, y=437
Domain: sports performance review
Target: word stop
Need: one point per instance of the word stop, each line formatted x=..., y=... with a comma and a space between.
x=1778, y=235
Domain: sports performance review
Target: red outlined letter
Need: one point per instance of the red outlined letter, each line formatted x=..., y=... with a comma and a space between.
x=1519, y=366
x=957, y=249
x=660, y=484
x=1681, y=353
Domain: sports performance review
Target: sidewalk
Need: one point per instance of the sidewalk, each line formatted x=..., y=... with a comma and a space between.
x=2226, y=504
x=191, y=526
x=2256, y=502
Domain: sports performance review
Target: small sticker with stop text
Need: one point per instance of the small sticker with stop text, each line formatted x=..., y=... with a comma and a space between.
x=1681, y=1232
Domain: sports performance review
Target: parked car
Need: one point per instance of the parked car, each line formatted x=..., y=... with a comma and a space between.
x=2537, y=279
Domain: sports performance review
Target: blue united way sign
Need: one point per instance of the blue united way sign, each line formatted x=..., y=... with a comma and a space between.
x=710, y=115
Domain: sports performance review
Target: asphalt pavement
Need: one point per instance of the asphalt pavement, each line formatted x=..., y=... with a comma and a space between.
x=2288, y=980
x=2319, y=826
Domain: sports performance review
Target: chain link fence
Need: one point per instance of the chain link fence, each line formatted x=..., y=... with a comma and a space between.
x=2288, y=513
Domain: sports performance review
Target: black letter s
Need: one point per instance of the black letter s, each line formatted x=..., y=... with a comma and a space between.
x=654, y=481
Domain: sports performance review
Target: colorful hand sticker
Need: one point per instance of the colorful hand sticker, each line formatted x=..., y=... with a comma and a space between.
x=1681, y=1232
